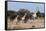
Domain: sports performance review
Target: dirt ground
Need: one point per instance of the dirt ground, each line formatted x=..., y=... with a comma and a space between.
x=36, y=23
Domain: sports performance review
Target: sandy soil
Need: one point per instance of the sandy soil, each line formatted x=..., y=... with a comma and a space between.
x=36, y=23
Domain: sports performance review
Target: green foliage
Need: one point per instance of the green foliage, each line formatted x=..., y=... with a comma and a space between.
x=38, y=13
x=11, y=13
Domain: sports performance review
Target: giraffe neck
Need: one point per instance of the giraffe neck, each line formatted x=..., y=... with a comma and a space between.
x=16, y=18
x=24, y=17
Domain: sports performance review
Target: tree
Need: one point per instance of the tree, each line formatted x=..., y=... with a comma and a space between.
x=22, y=13
x=38, y=13
x=11, y=14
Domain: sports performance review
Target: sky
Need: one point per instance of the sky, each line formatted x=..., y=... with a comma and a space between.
x=32, y=7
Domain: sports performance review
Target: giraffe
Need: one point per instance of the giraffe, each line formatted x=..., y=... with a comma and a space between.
x=23, y=18
x=16, y=20
x=34, y=16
